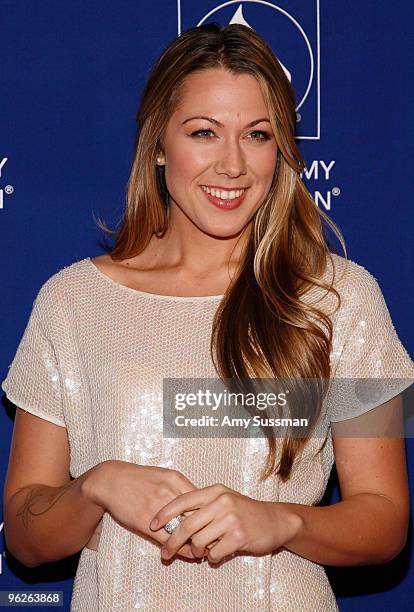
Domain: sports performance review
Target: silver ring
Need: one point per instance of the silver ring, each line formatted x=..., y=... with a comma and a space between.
x=173, y=523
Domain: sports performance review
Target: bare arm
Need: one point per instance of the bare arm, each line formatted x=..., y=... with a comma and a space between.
x=47, y=516
x=370, y=524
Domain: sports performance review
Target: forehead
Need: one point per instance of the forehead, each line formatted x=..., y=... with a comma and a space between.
x=220, y=92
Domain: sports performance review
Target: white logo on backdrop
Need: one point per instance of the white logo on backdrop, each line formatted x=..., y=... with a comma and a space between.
x=8, y=189
x=239, y=18
x=3, y=554
x=310, y=57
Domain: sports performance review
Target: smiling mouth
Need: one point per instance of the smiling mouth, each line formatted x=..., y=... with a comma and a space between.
x=224, y=194
x=224, y=200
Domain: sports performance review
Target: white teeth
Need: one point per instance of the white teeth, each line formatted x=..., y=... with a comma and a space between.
x=224, y=195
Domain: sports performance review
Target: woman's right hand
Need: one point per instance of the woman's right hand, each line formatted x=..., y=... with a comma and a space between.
x=132, y=494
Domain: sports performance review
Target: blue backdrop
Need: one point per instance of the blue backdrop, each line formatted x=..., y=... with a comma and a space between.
x=71, y=75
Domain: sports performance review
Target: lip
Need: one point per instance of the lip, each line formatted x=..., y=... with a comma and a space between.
x=225, y=204
x=223, y=188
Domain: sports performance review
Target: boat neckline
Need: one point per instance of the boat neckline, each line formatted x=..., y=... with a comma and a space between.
x=158, y=296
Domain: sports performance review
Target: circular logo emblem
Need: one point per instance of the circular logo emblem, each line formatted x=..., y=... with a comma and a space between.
x=282, y=32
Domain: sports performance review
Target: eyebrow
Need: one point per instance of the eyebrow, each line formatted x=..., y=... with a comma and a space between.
x=212, y=120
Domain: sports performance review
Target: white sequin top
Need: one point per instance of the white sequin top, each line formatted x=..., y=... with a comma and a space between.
x=92, y=359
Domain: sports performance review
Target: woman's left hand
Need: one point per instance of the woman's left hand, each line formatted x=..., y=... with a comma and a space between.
x=238, y=522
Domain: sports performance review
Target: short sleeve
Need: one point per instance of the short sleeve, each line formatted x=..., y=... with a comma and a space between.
x=373, y=366
x=33, y=382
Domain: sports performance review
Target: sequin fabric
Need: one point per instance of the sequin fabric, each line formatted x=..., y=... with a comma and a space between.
x=92, y=359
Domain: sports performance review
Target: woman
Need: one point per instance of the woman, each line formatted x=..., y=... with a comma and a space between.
x=220, y=268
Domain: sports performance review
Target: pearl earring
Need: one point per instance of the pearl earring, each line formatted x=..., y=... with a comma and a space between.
x=159, y=159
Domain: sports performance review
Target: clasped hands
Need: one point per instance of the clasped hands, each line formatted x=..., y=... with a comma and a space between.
x=236, y=522
x=217, y=519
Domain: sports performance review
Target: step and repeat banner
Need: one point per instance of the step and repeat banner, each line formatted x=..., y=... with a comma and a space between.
x=71, y=76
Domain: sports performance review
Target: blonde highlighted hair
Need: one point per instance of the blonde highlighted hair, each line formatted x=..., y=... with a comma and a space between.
x=262, y=327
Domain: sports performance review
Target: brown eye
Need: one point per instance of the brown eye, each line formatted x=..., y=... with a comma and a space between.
x=262, y=135
x=202, y=133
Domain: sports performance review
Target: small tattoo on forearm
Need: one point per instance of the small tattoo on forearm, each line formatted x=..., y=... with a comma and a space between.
x=41, y=498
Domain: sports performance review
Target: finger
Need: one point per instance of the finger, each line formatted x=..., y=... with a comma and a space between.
x=163, y=536
x=208, y=537
x=200, y=552
x=185, y=551
x=184, y=502
x=186, y=485
x=162, y=532
x=224, y=548
x=185, y=531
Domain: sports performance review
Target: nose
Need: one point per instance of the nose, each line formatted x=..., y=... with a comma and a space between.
x=231, y=159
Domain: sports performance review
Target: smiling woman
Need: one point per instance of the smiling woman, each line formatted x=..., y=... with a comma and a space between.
x=230, y=158
x=220, y=269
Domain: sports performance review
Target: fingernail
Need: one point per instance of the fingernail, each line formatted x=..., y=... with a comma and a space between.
x=164, y=553
x=154, y=524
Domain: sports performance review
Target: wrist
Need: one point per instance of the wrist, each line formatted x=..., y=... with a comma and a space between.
x=92, y=484
x=293, y=523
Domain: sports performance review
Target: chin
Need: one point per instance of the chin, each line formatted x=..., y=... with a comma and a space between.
x=222, y=232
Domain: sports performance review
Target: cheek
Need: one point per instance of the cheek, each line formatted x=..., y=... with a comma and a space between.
x=176, y=172
x=184, y=163
x=269, y=159
x=266, y=166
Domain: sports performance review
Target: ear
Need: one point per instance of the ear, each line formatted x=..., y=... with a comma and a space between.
x=160, y=159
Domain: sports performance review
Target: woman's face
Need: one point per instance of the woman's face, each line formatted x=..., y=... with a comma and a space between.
x=220, y=139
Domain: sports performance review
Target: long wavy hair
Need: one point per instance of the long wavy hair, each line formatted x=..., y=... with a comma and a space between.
x=262, y=328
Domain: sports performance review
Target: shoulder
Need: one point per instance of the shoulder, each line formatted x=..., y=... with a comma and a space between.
x=61, y=283
x=363, y=306
x=354, y=284
x=352, y=280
